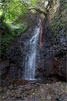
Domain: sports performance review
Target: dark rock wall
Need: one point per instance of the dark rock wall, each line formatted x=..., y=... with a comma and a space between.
x=53, y=52
x=51, y=57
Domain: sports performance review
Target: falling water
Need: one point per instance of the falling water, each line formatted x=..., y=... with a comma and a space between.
x=31, y=62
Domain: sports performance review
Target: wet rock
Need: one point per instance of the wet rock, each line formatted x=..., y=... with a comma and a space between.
x=54, y=43
x=28, y=87
x=49, y=97
x=58, y=68
x=18, y=94
x=58, y=99
x=49, y=91
x=19, y=82
x=12, y=73
x=11, y=87
x=4, y=67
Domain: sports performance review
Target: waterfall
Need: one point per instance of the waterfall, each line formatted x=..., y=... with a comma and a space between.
x=30, y=65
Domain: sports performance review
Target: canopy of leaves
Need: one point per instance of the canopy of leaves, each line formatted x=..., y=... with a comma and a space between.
x=12, y=13
x=14, y=9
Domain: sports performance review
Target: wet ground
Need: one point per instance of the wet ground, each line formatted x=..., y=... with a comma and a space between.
x=50, y=91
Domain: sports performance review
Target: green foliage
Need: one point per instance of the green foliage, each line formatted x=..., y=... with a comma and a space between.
x=4, y=27
x=7, y=35
x=12, y=13
x=14, y=9
x=34, y=2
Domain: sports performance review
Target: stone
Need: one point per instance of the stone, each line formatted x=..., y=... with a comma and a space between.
x=58, y=68
x=28, y=87
x=49, y=97
x=58, y=99
x=11, y=87
x=4, y=66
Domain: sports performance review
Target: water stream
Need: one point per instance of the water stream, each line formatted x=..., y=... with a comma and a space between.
x=30, y=65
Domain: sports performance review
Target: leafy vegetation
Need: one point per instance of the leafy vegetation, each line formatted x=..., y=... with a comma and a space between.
x=12, y=25
x=12, y=16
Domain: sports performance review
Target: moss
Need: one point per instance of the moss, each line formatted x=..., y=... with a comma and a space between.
x=60, y=20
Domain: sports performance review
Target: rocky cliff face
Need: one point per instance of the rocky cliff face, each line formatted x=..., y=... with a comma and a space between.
x=14, y=65
x=53, y=52
x=52, y=58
